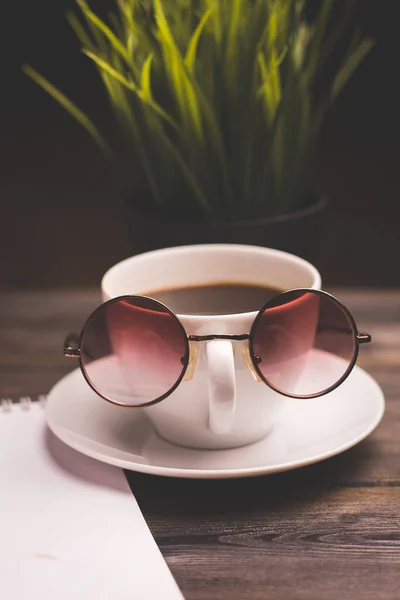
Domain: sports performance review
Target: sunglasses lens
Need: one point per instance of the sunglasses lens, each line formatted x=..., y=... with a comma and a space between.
x=304, y=343
x=133, y=351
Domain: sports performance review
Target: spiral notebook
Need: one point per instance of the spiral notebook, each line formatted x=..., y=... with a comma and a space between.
x=70, y=527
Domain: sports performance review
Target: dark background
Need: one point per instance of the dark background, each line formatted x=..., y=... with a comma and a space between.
x=61, y=215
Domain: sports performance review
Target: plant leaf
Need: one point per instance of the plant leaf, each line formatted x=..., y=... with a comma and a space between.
x=146, y=95
x=194, y=41
x=232, y=43
x=182, y=86
x=68, y=105
x=145, y=82
x=130, y=85
x=351, y=65
x=107, y=32
x=110, y=70
x=319, y=30
x=79, y=31
x=271, y=88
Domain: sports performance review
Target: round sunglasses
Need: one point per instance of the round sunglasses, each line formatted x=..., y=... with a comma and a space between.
x=134, y=351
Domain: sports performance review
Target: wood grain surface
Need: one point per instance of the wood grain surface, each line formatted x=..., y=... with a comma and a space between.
x=326, y=532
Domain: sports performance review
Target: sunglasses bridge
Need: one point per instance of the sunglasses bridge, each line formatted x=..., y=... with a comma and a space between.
x=194, y=352
x=209, y=338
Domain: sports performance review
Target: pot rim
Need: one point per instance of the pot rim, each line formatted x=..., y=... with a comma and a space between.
x=315, y=207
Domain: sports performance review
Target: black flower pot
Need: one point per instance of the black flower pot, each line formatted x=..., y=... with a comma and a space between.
x=295, y=232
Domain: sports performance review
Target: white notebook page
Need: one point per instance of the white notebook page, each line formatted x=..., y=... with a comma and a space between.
x=70, y=528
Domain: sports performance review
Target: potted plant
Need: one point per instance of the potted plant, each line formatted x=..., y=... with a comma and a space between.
x=219, y=105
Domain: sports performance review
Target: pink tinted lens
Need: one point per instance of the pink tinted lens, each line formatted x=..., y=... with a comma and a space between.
x=133, y=351
x=304, y=343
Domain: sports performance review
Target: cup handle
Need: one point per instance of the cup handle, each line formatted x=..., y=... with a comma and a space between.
x=221, y=385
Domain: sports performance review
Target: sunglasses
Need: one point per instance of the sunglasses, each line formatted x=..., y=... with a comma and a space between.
x=134, y=351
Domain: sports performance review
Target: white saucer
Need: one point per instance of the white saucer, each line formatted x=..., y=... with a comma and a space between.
x=307, y=431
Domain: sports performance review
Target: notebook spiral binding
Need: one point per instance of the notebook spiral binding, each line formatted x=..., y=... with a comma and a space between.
x=25, y=402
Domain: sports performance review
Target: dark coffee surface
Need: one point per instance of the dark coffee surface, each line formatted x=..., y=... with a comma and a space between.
x=215, y=298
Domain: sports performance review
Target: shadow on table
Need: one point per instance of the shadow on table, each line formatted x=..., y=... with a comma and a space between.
x=162, y=495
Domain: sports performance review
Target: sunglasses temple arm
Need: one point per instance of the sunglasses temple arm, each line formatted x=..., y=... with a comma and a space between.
x=71, y=346
x=364, y=338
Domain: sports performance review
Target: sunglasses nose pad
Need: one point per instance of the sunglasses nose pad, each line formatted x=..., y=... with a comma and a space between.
x=249, y=363
x=193, y=355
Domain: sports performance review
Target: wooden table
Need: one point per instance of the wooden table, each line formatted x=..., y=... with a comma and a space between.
x=326, y=532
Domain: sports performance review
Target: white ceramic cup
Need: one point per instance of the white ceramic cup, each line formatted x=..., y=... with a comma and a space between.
x=222, y=405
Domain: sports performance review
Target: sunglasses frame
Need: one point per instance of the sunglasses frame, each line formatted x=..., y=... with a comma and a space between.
x=359, y=338
x=73, y=347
